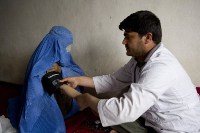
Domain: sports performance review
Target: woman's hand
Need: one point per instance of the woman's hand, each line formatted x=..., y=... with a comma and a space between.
x=55, y=67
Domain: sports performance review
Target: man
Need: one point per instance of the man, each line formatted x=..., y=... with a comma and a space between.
x=160, y=91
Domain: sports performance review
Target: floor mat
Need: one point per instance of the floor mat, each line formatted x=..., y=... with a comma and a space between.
x=85, y=122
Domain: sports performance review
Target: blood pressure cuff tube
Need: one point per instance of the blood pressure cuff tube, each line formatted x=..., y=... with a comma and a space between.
x=50, y=82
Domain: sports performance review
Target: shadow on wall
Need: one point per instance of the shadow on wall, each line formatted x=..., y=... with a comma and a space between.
x=102, y=57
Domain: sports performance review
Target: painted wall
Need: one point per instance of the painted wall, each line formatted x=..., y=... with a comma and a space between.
x=97, y=40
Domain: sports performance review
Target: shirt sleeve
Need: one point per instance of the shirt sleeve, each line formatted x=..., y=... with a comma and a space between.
x=116, y=81
x=154, y=80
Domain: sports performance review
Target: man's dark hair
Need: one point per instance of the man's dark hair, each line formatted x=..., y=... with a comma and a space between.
x=143, y=22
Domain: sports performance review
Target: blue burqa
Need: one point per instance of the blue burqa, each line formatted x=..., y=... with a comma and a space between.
x=40, y=112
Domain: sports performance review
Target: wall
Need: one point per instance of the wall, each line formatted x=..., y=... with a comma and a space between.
x=97, y=40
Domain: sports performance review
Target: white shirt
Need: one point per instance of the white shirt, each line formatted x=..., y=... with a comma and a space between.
x=163, y=94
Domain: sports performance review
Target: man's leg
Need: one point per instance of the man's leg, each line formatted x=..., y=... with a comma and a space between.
x=131, y=127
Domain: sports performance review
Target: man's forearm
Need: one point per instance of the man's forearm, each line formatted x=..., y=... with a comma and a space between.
x=86, y=81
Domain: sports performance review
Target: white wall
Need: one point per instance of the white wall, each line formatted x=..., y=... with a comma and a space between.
x=97, y=40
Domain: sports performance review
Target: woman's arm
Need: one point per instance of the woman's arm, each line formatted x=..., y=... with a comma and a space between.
x=84, y=100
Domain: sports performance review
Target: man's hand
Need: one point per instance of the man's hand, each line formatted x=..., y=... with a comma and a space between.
x=71, y=81
x=86, y=100
x=55, y=67
x=79, y=81
x=82, y=99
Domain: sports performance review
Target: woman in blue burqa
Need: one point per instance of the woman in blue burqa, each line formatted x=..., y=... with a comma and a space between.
x=41, y=112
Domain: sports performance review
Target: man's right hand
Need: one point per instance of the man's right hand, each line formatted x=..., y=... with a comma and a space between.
x=71, y=81
x=79, y=81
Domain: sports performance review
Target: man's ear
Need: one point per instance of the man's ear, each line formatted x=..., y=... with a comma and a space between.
x=149, y=38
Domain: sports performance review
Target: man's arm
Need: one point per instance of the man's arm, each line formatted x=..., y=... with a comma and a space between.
x=84, y=100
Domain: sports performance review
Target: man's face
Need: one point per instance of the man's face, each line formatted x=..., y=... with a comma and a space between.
x=134, y=44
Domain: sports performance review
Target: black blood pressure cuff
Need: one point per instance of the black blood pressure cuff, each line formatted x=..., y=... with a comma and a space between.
x=50, y=82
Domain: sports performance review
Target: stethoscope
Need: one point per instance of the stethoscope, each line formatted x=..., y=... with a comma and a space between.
x=140, y=65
